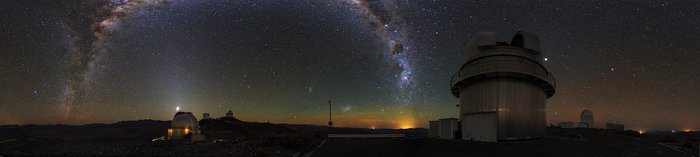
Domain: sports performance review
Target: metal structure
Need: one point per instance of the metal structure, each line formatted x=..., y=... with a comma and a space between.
x=330, y=107
x=502, y=88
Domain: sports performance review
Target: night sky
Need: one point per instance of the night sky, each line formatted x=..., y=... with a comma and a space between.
x=385, y=64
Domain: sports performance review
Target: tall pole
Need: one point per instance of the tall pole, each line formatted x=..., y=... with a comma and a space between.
x=330, y=110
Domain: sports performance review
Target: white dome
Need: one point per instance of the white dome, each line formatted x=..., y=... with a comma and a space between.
x=185, y=120
x=586, y=114
x=587, y=117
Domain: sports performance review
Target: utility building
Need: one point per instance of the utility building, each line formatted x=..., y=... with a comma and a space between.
x=448, y=128
x=502, y=89
x=614, y=125
x=434, y=128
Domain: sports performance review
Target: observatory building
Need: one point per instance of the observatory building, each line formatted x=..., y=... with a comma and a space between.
x=184, y=127
x=229, y=114
x=434, y=126
x=448, y=128
x=586, y=119
x=614, y=125
x=502, y=89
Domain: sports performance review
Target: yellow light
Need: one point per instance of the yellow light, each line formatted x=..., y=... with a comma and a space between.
x=407, y=124
x=641, y=131
x=688, y=130
x=187, y=130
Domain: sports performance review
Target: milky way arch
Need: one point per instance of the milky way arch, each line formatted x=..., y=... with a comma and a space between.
x=91, y=44
x=393, y=31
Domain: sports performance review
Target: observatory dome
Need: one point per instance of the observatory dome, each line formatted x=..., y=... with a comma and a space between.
x=502, y=89
x=587, y=118
x=185, y=120
x=586, y=115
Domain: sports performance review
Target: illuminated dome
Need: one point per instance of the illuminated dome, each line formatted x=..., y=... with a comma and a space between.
x=184, y=127
x=185, y=120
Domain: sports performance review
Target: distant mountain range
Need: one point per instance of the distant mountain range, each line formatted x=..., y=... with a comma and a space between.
x=145, y=130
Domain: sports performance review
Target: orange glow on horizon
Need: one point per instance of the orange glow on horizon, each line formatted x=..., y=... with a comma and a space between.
x=407, y=124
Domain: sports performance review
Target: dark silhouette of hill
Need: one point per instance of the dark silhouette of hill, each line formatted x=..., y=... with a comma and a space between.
x=145, y=130
x=323, y=130
x=125, y=130
x=232, y=128
x=141, y=130
x=133, y=138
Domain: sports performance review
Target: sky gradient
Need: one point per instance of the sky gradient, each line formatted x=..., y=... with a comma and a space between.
x=385, y=64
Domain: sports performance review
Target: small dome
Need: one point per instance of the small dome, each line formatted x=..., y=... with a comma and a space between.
x=587, y=113
x=229, y=113
x=587, y=118
x=185, y=120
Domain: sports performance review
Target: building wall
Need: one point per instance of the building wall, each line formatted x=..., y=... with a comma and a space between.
x=584, y=125
x=480, y=127
x=447, y=128
x=434, y=128
x=177, y=133
x=586, y=119
x=611, y=126
x=519, y=106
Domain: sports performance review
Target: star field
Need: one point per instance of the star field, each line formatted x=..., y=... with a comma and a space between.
x=385, y=64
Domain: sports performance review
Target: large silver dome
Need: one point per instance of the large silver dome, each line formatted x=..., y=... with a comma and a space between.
x=185, y=120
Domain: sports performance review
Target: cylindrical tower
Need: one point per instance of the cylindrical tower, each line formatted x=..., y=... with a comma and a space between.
x=502, y=89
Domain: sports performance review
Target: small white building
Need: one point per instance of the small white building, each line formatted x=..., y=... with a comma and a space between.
x=614, y=125
x=448, y=128
x=434, y=127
